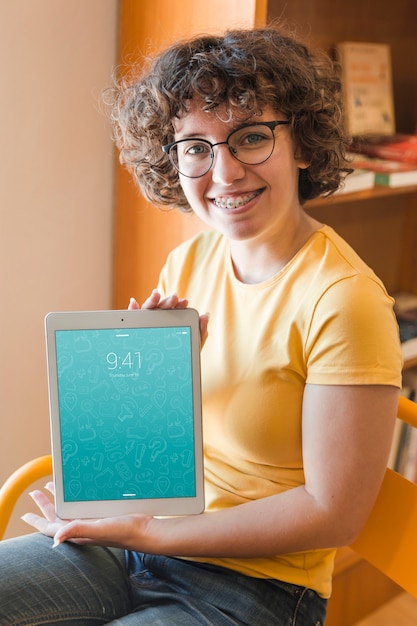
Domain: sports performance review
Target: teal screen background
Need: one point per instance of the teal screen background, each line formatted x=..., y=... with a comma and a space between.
x=126, y=413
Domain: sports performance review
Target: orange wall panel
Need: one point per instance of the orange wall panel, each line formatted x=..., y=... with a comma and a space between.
x=143, y=234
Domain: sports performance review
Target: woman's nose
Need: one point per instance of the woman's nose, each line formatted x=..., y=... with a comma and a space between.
x=226, y=168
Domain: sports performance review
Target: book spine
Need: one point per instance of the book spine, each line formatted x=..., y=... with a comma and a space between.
x=385, y=152
x=382, y=179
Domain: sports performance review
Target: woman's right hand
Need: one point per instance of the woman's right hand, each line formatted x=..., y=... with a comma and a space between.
x=154, y=301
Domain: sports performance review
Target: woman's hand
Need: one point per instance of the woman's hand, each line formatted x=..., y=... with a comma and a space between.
x=154, y=301
x=48, y=523
x=128, y=531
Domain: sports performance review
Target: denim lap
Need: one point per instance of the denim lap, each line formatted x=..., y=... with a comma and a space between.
x=89, y=586
x=70, y=585
x=186, y=593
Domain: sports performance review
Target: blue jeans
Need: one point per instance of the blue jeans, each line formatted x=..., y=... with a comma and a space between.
x=89, y=586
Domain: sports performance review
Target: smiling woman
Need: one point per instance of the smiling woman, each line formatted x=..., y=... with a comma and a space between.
x=301, y=362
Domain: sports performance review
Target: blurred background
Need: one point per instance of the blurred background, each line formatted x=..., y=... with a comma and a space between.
x=74, y=230
x=56, y=190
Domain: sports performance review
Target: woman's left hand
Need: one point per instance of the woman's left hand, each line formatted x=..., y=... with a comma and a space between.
x=118, y=532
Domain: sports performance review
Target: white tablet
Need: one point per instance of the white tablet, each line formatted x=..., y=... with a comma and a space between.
x=125, y=408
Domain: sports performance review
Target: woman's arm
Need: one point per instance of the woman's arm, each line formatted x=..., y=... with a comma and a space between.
x=347, y=433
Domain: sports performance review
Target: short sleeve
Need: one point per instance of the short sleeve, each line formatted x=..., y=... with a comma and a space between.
x=353, y=337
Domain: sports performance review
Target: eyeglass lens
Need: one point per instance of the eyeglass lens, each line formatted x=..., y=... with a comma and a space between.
x=250, y=145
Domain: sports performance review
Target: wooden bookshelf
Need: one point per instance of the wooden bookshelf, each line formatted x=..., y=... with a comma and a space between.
x=381, y=224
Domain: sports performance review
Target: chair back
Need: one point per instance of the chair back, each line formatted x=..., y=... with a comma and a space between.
x=389, y=539
x=17, y=483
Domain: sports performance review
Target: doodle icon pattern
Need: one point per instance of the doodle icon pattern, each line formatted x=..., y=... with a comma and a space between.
x=126, y=413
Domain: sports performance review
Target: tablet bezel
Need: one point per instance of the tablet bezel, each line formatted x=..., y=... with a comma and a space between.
x=143, y=318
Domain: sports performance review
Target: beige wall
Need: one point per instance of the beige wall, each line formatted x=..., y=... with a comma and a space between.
x=56, y=178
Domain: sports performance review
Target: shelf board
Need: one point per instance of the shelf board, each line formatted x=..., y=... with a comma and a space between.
x=410, y=363
x=379, y=191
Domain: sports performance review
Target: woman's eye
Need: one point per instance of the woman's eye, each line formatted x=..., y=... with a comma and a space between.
x=197, y=149
x=253, y=138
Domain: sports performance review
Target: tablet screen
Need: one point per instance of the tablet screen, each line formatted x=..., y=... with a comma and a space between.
x=125, y=424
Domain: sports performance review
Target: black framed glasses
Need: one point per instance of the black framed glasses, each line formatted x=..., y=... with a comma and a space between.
x=251, y=144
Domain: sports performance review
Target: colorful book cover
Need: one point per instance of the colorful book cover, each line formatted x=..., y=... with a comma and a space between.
x=367, y=87
x=397, y=147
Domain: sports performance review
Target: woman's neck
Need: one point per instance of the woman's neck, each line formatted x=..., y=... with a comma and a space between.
x=255, y=261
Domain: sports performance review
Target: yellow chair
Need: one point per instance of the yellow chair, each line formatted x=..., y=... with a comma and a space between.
x=17, y=484
x=389, y=539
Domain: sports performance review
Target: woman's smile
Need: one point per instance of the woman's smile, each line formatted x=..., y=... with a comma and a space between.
x=235, y=201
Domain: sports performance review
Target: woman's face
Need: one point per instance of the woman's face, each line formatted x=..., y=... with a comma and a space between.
x=242, y=201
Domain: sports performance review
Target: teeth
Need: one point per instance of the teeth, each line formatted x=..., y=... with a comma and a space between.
x=234, y=203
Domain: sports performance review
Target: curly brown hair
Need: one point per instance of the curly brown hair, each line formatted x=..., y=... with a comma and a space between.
x=246, y=70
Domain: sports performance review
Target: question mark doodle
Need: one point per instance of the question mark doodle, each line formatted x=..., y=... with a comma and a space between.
x=69, y=449
x=157, y=445
x=155, y=358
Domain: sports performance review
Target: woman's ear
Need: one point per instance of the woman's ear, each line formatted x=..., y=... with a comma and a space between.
x=300, y=162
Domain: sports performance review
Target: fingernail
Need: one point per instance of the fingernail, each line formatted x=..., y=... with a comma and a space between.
x=56, y=543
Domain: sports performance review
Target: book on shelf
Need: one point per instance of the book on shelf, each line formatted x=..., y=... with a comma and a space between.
x=396, y=147
x=403, y=456
x=358, y=180
x=409, y=348
x=405, y=308
x=407, y=459
x=387, y=173
x=367, y=87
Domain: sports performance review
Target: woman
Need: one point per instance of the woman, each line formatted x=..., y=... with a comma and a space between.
x=301, y=366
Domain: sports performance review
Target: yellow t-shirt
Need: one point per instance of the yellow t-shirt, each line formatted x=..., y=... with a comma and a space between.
x=324, y=319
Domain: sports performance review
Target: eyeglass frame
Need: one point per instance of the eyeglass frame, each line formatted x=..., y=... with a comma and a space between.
x=271, y=125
